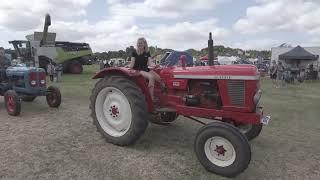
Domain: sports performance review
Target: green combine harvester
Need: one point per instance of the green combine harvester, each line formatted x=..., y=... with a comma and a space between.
x=41, y=48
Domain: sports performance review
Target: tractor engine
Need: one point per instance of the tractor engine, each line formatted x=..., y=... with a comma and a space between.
x=203, y=93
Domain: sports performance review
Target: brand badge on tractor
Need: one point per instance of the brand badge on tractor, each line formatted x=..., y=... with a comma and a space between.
x=175, y=83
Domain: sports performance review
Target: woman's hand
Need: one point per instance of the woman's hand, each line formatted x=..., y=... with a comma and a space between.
x=154, y=67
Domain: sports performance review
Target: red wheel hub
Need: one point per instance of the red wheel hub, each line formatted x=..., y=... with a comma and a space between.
x=11, y=103
x=114, y=111
x=220, y=150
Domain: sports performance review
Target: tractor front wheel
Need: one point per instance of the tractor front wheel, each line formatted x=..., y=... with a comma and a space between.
x=119, y=110
x=12, y=102
x=251, y=131
x=53, y=97
x=222, y=149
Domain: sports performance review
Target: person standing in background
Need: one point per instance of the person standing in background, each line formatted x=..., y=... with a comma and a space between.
x=50, y=71
x=273, y=73
x=280, y=74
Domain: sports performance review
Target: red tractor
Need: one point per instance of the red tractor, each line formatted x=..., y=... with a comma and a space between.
x=121, y=108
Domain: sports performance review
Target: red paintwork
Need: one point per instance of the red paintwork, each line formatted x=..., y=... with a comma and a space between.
x=114, y=70
x=177, y=89
x=220, y=150
x=42, y=76
x=33, y=77
x=239, y=117
x=114, y=111
x=250, y=90
x=231, y=70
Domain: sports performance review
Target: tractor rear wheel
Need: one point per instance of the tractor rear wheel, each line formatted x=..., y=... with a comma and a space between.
x=250, y=130
x=12, y=102
x=119, y=110
x=28, y=98
x=222, y=149
x=53, y=97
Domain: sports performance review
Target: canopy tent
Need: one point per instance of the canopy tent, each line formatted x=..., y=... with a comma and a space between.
x=298, y=53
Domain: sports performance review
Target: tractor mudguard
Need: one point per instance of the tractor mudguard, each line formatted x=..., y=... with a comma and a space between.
x=116, y=70
x=132, y=74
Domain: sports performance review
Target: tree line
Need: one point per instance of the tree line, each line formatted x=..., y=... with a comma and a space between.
x=219, y=50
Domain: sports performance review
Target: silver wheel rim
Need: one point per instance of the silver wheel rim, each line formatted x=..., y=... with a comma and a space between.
x=113, y=111
x=245, y=128
x=220, y=151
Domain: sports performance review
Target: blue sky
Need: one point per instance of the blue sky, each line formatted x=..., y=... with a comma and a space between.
x=178, y=24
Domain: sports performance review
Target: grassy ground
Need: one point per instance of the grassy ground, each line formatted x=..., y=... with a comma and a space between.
x=62, y=143
x=74, y=85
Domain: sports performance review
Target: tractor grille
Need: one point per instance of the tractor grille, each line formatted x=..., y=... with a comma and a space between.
x=236, y=91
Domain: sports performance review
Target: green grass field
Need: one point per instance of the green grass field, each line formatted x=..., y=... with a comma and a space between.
x=73, y=85
x=288, y=148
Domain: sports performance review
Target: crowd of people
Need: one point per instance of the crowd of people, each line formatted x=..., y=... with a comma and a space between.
x=282, y=75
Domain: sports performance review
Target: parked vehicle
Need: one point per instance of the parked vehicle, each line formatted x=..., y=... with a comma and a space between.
x=25, y=83
x=41, y=48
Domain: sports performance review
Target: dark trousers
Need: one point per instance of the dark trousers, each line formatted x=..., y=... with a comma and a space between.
x=51, y=78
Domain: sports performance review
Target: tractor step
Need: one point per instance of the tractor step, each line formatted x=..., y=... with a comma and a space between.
x=165, y=109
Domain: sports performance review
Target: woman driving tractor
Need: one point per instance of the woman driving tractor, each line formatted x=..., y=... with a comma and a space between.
x=141, y=61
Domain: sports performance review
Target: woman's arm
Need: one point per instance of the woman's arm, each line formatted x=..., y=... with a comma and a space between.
x=133, y=59
x=150, y=62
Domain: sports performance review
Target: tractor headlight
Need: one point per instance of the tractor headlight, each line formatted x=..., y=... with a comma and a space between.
x=257, y=97
x=33, y=82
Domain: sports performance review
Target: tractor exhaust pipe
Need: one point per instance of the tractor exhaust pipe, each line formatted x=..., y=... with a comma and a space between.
x=47, y=23
x=210, y=50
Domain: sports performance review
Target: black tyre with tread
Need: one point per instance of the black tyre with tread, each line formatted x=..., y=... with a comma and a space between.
x=136, y=99
x=252, y=131
x=53, y=97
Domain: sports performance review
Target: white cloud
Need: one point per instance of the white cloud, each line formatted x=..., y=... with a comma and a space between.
x=181, y=5
x=180, y=36
x=257, y=44
x=161, y=8
x=281, y=15
x=120, y=29
x=25, y=15
x=185, y=35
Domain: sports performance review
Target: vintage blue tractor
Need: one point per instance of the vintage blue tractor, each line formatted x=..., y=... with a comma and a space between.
x=20, y=82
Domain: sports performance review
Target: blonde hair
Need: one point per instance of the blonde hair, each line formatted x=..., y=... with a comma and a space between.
x=145, y=49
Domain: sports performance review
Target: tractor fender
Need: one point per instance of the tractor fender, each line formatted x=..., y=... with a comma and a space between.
x=134, y=75
x=116, y=70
